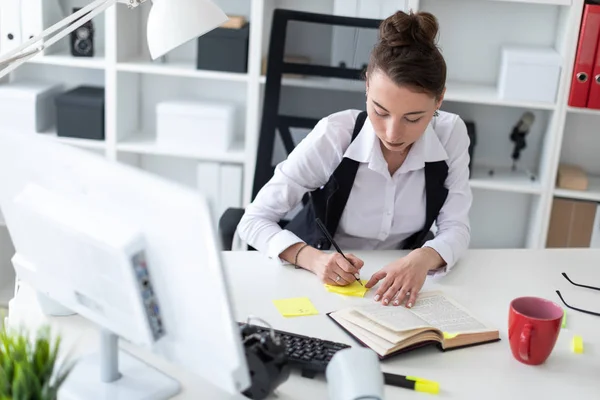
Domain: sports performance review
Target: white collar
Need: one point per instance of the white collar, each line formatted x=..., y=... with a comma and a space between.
x=427, y=149
x=361, y=148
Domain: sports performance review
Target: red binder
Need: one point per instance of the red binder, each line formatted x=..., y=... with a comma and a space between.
x=594, y=98
x=586, y=56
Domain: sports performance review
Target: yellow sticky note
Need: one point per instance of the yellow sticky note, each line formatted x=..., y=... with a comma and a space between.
x=353, y=289
x=295, y=307
x=450, y=335
x=577, y=344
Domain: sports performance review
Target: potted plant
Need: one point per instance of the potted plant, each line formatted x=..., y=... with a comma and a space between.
x=28, y=365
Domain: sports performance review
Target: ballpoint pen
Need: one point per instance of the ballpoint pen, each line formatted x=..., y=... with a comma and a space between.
x=411, y=382
x=326, y=233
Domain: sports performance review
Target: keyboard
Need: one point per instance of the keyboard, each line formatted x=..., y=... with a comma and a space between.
x=310, y=355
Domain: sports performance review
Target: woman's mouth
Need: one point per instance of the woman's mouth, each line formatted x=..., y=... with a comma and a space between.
x=395, y=144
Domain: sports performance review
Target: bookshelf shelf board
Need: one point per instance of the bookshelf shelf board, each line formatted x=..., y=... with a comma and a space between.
x=67, y=60
x=85, y=143
x=486, y=94
x=178, y=69
x=591, y=194
x=145, y=143
x=583, y=111
x=547, y=2
x=455, y=92
x=504, y=180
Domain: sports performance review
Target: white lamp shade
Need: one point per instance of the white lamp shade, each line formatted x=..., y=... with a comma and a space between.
x=172, y=23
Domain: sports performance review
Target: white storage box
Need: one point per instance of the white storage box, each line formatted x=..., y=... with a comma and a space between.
x=28, y=106
x=529, y=74
x=195, y=124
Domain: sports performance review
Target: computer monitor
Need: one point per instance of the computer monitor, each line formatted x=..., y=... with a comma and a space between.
x=133, y=253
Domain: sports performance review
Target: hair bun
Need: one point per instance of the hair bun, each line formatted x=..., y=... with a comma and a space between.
x=402, y=29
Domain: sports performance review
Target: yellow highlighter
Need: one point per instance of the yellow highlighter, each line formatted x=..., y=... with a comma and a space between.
x=412, y=382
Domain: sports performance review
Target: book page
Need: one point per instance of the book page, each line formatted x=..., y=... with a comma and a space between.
x=445, y=314
x=374, y=342
x=396, y=318
x=389, y=335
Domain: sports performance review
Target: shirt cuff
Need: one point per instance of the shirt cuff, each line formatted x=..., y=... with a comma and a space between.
x=279, y=242
x=445, y=251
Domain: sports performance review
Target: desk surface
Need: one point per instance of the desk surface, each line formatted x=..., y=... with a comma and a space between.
x=485, y=281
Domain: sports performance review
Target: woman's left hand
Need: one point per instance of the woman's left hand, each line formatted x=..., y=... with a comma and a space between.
x=405, y=277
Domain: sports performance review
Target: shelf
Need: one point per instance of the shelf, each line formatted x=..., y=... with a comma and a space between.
x=67, y=60
x=86, y=143
x=181, y=69
x=504, y=180
x=144, y=143
x=547, y=2
x=322, y=83
x=456, y=92
x=583, y=111
x=482, y=94
x=592, y=193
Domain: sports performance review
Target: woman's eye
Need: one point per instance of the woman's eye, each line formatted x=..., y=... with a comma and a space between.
x=380, y=114
x=413, y=121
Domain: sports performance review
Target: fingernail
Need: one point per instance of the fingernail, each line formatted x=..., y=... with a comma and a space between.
x=357, y=276
x=409, y=305
x=376, y=298
x=385, y=301
x=396, y=302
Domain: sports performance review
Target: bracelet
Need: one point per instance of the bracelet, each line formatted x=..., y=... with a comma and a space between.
x=297, y=253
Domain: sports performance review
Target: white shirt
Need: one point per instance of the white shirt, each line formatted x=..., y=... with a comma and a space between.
x=382, y=210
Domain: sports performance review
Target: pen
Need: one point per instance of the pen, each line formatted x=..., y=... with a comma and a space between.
x=326, y=233
x=411, y=382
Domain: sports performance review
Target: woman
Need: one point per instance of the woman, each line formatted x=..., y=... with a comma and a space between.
x=378, y=179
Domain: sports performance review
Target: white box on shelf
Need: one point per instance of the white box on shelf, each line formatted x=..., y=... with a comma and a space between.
x=529, y=73
x=28, y=105
x=206, y=125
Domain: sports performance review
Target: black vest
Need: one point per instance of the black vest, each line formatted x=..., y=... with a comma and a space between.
x=328, y=202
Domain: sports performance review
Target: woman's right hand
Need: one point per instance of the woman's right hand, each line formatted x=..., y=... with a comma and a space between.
x=334, y=269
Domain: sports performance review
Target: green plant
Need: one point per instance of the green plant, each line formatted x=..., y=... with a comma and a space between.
x=28, y=365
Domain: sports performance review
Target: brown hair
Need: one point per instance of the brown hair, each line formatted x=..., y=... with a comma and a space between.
x=407, y=52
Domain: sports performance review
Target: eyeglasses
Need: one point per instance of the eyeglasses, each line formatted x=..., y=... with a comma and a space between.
x=579, y=285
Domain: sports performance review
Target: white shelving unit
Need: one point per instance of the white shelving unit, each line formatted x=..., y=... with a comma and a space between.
x=509, y=209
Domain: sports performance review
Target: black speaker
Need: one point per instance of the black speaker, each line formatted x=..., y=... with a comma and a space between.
x=82, y=39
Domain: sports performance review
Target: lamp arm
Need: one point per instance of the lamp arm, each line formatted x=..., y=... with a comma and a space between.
x=18, y=56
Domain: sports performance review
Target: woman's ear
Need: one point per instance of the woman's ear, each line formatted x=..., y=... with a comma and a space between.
x=439, y=101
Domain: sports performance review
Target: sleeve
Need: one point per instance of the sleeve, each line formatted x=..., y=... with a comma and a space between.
x=307, y=168
x=454, y=231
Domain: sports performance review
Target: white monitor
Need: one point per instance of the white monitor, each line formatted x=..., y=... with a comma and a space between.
x=129, y=251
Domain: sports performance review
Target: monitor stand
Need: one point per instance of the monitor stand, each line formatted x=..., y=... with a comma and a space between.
x=115, y=374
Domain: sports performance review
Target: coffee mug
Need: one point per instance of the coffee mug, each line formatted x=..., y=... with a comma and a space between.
x=533, y=327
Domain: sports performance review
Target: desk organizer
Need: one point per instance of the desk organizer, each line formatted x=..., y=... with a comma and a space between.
x=80, y=113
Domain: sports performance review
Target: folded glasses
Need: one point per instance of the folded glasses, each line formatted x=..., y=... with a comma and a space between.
x=579, y=285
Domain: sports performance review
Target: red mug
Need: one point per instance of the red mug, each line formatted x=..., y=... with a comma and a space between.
x=533, y=327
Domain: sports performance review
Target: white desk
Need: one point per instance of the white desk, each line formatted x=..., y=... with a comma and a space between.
x=484, y=281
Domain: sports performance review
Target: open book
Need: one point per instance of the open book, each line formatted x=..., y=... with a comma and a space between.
x=435, y=318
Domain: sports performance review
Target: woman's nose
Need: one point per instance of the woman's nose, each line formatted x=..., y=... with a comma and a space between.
x=393, y=131
x=393, y=135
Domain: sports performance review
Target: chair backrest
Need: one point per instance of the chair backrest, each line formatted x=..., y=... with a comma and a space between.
x=273, y=120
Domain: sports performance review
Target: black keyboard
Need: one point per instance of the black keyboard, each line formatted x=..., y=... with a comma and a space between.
x=309, y=354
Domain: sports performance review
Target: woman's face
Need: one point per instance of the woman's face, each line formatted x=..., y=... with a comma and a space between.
x=399, y=115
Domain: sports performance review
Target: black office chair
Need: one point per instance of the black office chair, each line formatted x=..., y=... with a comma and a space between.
x=272, y=120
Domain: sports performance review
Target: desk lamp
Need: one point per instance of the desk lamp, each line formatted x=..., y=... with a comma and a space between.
x=171, y=23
